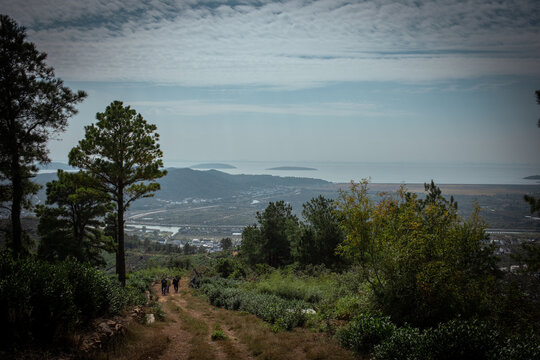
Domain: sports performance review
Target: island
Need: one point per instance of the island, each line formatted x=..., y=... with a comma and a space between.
x=213, y=166
x=532, y=177
x=287, y=168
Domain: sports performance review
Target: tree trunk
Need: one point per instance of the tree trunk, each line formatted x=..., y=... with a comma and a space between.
x=120, y=255
x=16, y=205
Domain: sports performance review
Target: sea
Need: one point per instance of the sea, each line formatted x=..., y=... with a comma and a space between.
x=381, y=173
x=396, y=172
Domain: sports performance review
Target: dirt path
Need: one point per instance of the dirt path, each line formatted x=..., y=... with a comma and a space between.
x=190, y=322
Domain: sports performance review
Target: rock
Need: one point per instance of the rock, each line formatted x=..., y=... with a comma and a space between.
x=138, y=313
x=150, y=318
x=104, y=328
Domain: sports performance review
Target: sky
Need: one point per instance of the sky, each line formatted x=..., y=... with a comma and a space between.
x=448, y=81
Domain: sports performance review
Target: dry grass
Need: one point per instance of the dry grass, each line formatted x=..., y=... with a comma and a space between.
x=199, y=343
x=263, y=343
x=141, y=342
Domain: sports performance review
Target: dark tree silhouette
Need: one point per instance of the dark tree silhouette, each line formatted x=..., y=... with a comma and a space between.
x=34, y=105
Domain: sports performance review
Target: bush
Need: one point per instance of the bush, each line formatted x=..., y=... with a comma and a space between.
x=218, y=333
x=365, y=331
x=347, y=307
x=460, y=339
x=41, y=302
x=228, y=268
x=456, y=339
x=284, y=314
x=403, y=344
x=518, y=348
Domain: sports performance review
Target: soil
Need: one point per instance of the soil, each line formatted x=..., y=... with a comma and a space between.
x=181, y=339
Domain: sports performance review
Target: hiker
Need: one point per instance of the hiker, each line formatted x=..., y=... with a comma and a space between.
x=175, y=282
x=163, y=286
x=168, y=284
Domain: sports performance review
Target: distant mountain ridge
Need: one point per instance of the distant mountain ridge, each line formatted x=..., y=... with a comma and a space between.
x=182, y=183
x=215, y=166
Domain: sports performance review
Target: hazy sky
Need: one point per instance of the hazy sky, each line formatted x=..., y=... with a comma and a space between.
x=328, y=80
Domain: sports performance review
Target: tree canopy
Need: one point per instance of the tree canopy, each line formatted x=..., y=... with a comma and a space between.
x=71, y=227
x=34, y=105
x=121, y=151
x=424, y=263
x=269, y=242
x=320, y=233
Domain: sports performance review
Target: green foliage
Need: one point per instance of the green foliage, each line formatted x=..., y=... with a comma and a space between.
x=180, y=262
x=348, y=306
x=41, y=302
x=121, y=151
x=365, y=331
x=71, y=226
x=459, y=339
x=226, y=243
x=283, y=314
x=289, y=286
x=229, y=268
x=456, y=339
x=424, y=264
x=34, y=105
x=525, y=346
x=270, y=241
x=218, y=334
x=405, y=343
x=319, y=235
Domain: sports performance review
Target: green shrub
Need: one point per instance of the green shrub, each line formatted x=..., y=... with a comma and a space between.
x=283, y=313
x=402, y=344
x=460, y=339
x=218, y=335
x=289, y=286
x=518, y=347
x=230, y=268
x=349, y=306
x=456, y=339
x=41, y=302
x=365, y=331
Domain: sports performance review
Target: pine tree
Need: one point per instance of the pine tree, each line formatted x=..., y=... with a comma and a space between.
x=121, y=151
x=34, y=105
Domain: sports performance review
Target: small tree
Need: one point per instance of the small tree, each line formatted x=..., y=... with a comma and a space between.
x=72, y=227
x=320, y=234
x=226, y=243
x=270, y=242
x=424, y=263
x=34, y=105
x=121, y=151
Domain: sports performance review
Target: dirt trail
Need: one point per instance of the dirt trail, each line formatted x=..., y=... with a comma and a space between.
x=191, y=322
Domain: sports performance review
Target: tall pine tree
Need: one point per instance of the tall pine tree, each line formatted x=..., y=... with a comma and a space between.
x=121, y=151
x=34, y=105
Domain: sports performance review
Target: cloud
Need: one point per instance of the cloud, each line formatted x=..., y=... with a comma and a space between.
x=204, y=108
x=289, y=44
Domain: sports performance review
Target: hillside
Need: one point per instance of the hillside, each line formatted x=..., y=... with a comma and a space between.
x=183, y=183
